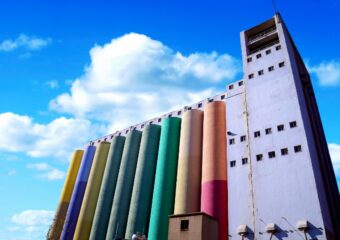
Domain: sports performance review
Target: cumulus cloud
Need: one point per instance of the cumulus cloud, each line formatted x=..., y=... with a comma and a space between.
x=58, y=138
x=31, y=224
x=134, y=78
x=328, y=73
x=46, y=171
x=24, y=41
x=53, y=84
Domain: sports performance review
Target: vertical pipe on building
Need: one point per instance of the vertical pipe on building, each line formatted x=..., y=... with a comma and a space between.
x=122, y=196
x=139, y=212
x=188, y=184
x=214, y=199
x=88, y=207
x=165, y=179
x=78, y=194
x=59, y=218
x=103, y=209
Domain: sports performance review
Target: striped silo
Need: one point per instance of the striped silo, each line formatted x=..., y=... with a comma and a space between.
x=140, y=206
x=103, y=209
x=122, y=195
x=165, y=179
x=214, y=200
x=78, y=194
x=66, y=194
x=89, y=204
x=188, y=184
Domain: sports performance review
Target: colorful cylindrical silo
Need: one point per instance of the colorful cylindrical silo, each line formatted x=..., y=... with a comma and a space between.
x=78, y=194
x=140, y=205
x=103, y=209
x=60, y=214
x=214, y=199
x=89, y=204
x=189, y=170
x=121, y=200
x=165, y=179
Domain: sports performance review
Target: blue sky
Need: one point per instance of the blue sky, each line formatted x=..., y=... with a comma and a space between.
x=71, y=71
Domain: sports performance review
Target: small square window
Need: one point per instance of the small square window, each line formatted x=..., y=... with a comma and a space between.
x=271, y=154
x=278, y=47
x=257, y=134
x=159, y=120
x=231, y=141
x=189, y=108
x=232, y=163
x=151, y=122
x=280, y=127
x=259, y=157
x=250, y=76
x=231, y=87
x=199, y=105
x=249, y=59
x=297, y=148
x=271, y=68
x=284, y=151
x=184, y=225
x=243, y=138
x=260, y=72
x=244, y=161
x=126, y=131
x=268, y=51
x=179, y=112
x=222, y=97
x=258, y=56
x=240, y=83
x=268, y=131
x=142, y=126
x=292, y=124
x=281, y=64
x=210, y=100
x=170, y=115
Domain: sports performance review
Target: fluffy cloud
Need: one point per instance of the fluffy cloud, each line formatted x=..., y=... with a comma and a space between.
x=57, y=138
x=134, y=78
x=47, y=172
x=24, y=41
x=328, y=73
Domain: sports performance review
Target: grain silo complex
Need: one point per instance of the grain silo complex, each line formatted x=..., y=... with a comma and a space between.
x=249, y=163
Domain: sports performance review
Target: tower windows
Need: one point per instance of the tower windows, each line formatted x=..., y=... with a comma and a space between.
x=231, y=87
x=259, y=157
x=292, y=124
x=268, y=131
x=271, y=154
x=271, y=68
x=284, y=151
x=232, y=163
x=179, y=112
x=281, y=64
x=199, y=105
x=278, y=47
x=260, y=72
x=243, y=138
x=240, y=83
x=244, y=161
x=222, y=97
x=280, y=127
x=257, y=134
x=184, y=225
x=258, y=56
x=159, y=120
x=250, y=76
x=268, y=51
x=249, y=59
x=231, y=141
x=297, y=148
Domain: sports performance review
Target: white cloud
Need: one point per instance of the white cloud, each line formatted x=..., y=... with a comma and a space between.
x=56, y=138
x=11, y=172
x=328, y=73
x=134, y=78
x=47, y=172
x=334, y=150
x=33, y=217
x=24, y=41
x=53, y=84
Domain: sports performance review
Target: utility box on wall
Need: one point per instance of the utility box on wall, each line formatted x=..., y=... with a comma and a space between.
x=193, y=226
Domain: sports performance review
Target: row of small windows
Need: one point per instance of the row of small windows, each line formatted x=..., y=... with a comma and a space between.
x=268, y=131
x=271, y=154
x=231, y=87
x=270, y=69
x=269, y=51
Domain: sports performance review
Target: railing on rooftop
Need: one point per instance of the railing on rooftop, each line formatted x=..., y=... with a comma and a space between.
x=261, y=35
